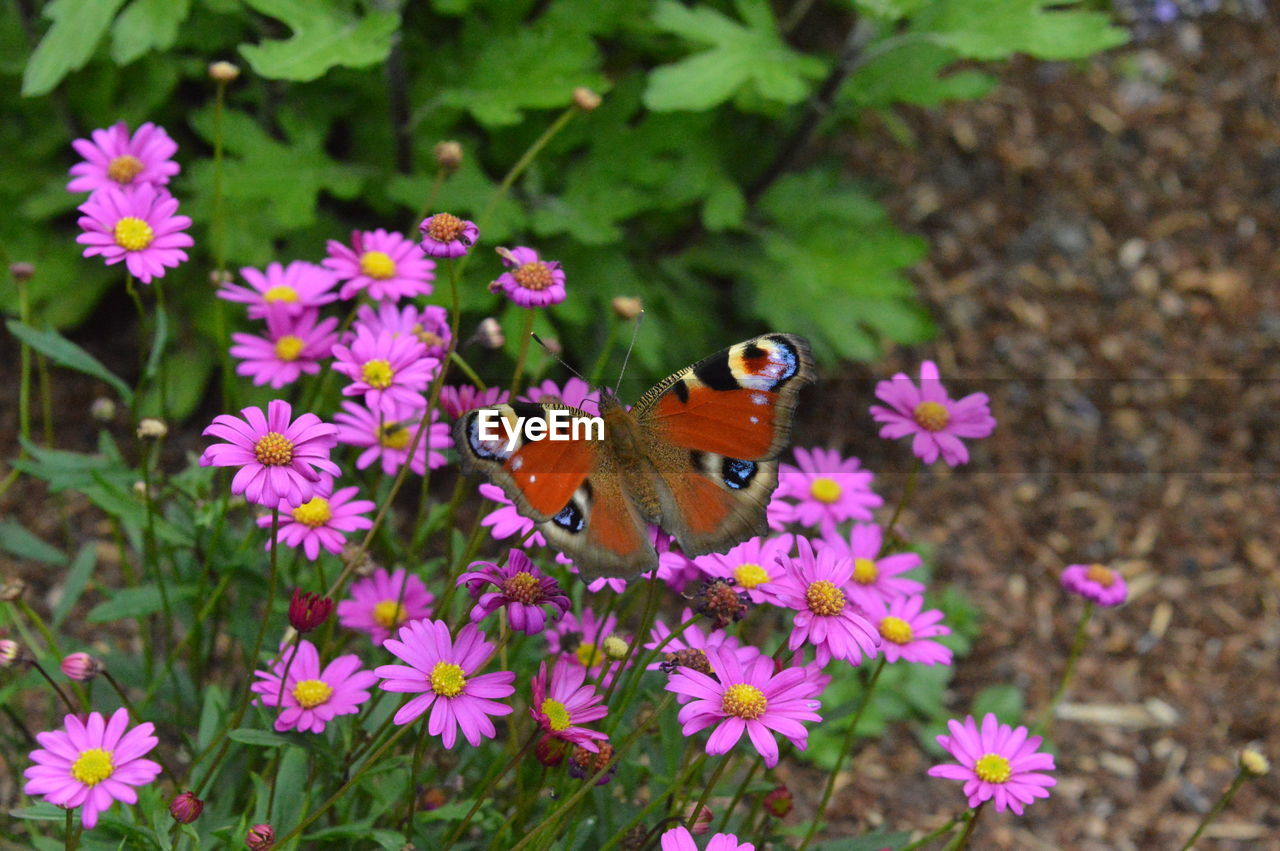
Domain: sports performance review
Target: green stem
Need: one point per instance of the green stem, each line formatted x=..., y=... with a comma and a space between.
x=71, y=706
x=646, y=624
x=707, y=789
x=488, y=787
x=24, y=385
x=653, y=804
x=70, y=839
x=741, y=791
x=150, y=557
x=526, y=332
x=1217, y=809
x=891, y=531
x=163, y=344
x=962, y=841
x=521, y=164
x=932, y=835
x=461, y=363
x=1077, y=647
x=429, y=200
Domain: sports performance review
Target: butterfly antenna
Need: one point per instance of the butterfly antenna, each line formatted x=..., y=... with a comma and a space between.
x=635, y=331
x=548, y=350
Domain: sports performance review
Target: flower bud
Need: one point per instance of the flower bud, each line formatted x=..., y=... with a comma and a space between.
x=1253, y=762
x=701, y=822
x=223, y=72
x=260, y=837
x=550, y=751
x=778, y=801
x=103, y=409
x=308, y=610
x=218, y=277
x=615, y=647
x=11, y=589
x=585, y=99
x=22, y=272
x=627, y=307
x=489, y=334
x=10, y=652
x=448, y=155
x=152, y=428
x=361, y=563
x=81, y=667
x=186, y=808
x=433, y=798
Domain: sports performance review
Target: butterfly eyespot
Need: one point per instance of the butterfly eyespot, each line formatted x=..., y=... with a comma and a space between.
x=736, y=473
x=570, y=519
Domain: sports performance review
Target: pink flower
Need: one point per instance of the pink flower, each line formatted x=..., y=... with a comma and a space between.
x=280, y=459
x=693, y=638
x=389, y=370
x=906, y=631
x=429, y=324
x=382, y=602
x=446, y=235
x=114, y=160
x=388, y=437
x=293, y=289
x=92, y=764
x=576, y=393
x=817, y=587
x=322, y=521
x=830, y=489
x=457, y=400
x=388, y=265
x=532, y=282
x=293, y=345
x=507, y=521
x=1094, y=582
x=929, y=413
x=580, y=640
x=442, y=672
x=312, y=697
x=140, y=228
x=998, y=761
x=753, y=565
x=561, y=708
x=522, y=589
x=748, y=698
x=873, y=578
x=680, y=839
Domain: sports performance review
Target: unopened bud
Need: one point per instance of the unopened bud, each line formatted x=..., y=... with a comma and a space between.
x=550, y=751
x=1254, y=763
x=778, y=802
x=153, y=428
x=308, y=610
x=701, y=822
x=10, y=652
x=585, y=99
x=260, y=837
x=489, y=334
x=11, y=589
x=433, y=798
x=361, y=563
x=81, y=667
x=218, y=277
x=627, y=307
x=186, y=808
x=223, y=72
x=615, y=647
x=22, y=272
x=448, y=155
x=103, y=409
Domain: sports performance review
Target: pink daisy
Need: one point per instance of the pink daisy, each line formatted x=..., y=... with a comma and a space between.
x=140, y=228
x=382, y=602
x=313, y=697
x=580, y=639
x=680, y=839
x=531, y=282
x=292, y=289
x=930, y=414
x=322, y=521
x=753, y=565
x=817, y=586
x=748, y=698
x=388, y=265
x=873, y=578
x=280, y=459
x=522, y=590
x=446, y=235
x=389, y=436
x=92, y=764
x=998, y=761
x=563, y=706
x=457, y=400
x=780, y=513
x=829, y=488
x=429, y=324
x=905, y=631
x=693, y=638
x=576, y=393
x=507, y=521
x=442, y=671
x=116, y=160
x=1102, y=585
x=293, y=345
x=389, y=370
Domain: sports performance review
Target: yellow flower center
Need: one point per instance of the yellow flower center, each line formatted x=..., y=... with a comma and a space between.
x=445, y=227
x=314, y=512
x=273, y=449
x=393, y=435
x=534, y=276
x=389, y=613
x=557, y=714
x=750, y=575
x=865, y=571
x=289, y=347
x=523, y=587
x=280, y=292
x=744, y=701
x=825, y=490
x=993, y=768
x=1101, y=575
x=124, y=169
x=824, y=598
x=447, y=679
x=931, y=416
x=588, y=655
x=377, y=265
x=377, y=373
x=896, y=630
x=312, y=693
x=133, y=234
x=93, y=766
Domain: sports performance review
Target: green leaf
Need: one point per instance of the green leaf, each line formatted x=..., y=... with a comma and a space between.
x=77, y=578
x=136, y=603
x=78, y=25
x=211, y=714
x=291, y=788
x=16, y=540
x=323, y=37
x=257, y=738
x=996, y=29
x=1004, y=700
x=66, y=353
x=913, y=73
x=145, y=26
x=738, y=55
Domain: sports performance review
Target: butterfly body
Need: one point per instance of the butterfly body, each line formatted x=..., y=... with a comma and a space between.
x=696, y=456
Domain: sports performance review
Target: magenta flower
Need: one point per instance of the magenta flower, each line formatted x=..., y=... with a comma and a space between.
x=998, y=761
x=576, y=393
x=140, y=228
x=817, y=587
x=292, y=289
x=293, y=345
x=521, y=588
x=382, y=602
x=280, y=459
x=780, y=513
x=507, y=521
x=531, y=282
x=829, y=488
x=753, y=565
x=389, y=370
x=873, y=578
x=580, y=639
x=680, y=839
x=313, y=697
x=322, y=521
x=116, y=160
x=563, y=706
x=457, y=400
x=748, y=698
x=446, y=235
x=929, y=413
x=388, y=438
x=442, y=672
x=1094, y=582
x=389, y=266
x=92, y=764
x=693, y=638
x=429, y=324
x=905, y=631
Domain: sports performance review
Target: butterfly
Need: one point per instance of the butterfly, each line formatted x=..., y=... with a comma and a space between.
x=696, y=456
